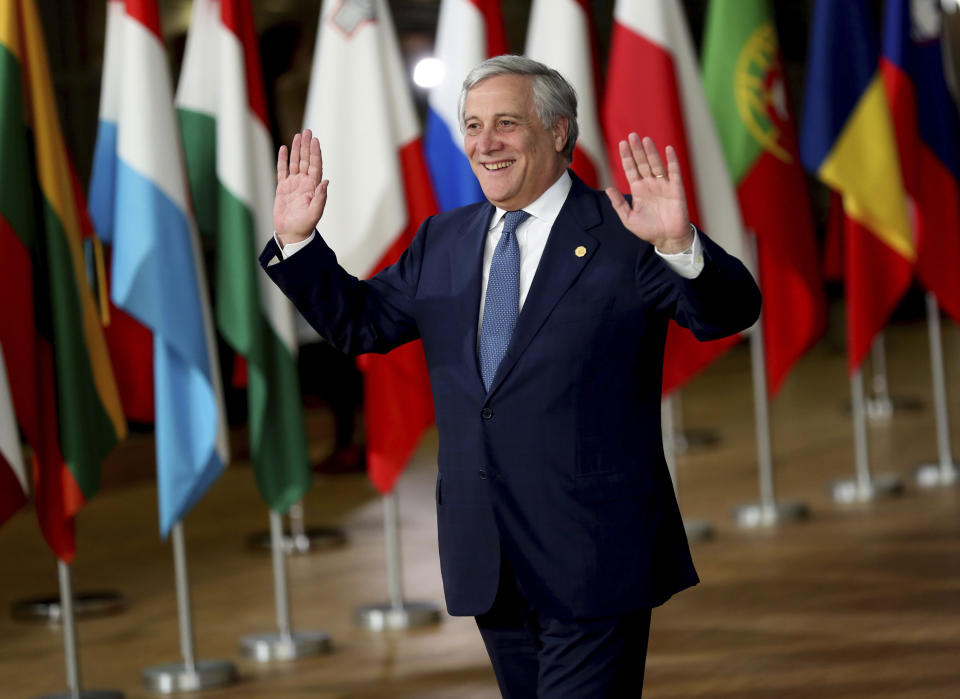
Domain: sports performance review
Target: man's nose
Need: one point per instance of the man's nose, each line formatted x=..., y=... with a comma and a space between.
x=488, y=140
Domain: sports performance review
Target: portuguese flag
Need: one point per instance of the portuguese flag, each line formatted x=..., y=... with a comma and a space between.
x=61, y=383
x=744, y=81
x=222, y=109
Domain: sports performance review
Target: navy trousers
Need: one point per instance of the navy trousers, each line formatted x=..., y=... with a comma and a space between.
x=534, y=656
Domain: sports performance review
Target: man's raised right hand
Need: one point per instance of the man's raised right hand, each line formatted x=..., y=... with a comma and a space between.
x=301, y=193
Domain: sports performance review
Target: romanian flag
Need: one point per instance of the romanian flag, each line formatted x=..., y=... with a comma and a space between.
x=848, y=141
x=654, y=88
x=61, y=382
x=358, y=70
x=928, y=141
x=222, y=109
x=561, y=35
x=744, y=81
x=468, y=32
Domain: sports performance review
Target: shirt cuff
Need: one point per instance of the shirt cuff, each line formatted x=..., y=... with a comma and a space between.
x=291, y=249
x=687, y=263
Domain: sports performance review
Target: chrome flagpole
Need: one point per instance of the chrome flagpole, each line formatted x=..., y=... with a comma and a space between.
x=695, y=529
x=70, y=645
x=285, y=644
x=397, y=613
x=190, y=675
x=944, y=472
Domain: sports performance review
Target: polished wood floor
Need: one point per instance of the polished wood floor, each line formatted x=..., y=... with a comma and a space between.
x=859, y=601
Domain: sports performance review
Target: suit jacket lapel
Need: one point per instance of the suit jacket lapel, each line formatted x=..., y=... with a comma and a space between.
x=559, y=267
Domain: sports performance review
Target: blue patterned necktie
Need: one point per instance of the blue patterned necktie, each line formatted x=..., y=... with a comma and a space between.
x=502, y=304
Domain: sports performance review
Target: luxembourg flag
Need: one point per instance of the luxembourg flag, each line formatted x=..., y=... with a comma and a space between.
x=361, y=110
x=157, y=273
x=654, y=88
x=561, y=35
x=468, y=32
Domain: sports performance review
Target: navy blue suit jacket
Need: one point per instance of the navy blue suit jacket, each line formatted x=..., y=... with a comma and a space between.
x=560, y=465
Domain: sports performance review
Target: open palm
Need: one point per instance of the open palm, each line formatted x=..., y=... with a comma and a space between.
x=301, y=191
x=657, y=212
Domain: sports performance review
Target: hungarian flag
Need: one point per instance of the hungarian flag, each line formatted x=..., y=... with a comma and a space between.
x=13, y=476
x=222, y=109
x=61, y=383
x=654, y=88
x=468, y=32
x=928, y=142
x=157, y=272
x=744, y=81
x=561, y=35
x=848, y=141
x=360, y=108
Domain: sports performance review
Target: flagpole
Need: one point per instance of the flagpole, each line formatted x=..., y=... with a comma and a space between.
x=768, y=511
x=285, y=644
x=396, y=613
x=880, y=406
x=190, y=675
x=864, y=487
x=70, y=645
x=695, y=529
x=945, y=471
x=298, y=538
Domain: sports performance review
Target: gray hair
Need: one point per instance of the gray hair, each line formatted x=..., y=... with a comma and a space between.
x=553, y=96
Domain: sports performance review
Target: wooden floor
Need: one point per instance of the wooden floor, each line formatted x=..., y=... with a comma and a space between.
x=860, y=601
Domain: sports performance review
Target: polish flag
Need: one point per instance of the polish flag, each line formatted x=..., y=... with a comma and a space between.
x=360, y=107
x=468, y=32
x=654, y=88
x=561, y=35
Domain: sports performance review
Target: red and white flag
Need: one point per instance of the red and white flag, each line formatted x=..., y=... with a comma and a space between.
x=654, y=88
x=360, y=107
x=561, y=35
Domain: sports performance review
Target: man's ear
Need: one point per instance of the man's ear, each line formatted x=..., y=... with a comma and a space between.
x=560, y=128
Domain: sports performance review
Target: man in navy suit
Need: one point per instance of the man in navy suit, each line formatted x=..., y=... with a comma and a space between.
x=558, y=525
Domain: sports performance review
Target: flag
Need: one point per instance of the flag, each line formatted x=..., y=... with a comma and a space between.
x=561, y=35
x=379, y=194
x=654, y=88
x=222, y=108
x=61, y=385
x=928, y=142
x=468, y=32
x=157, y=272
x=848, y=141
x=13, y=476
x=744, y=81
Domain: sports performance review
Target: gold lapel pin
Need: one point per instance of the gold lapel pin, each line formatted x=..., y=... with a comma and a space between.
x=580, y=251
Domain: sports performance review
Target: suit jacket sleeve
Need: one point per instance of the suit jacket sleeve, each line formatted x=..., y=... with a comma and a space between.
x=355, y=316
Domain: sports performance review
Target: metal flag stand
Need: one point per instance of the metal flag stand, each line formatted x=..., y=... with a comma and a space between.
x=190, y=675
x=299, y=539
x=70, y=646
x=285, y=644
x=397, y=613
x=864, y=487
x=696, y=529
x=880, y=406
x=685, y=439
x=944, y=472
x=768, y=511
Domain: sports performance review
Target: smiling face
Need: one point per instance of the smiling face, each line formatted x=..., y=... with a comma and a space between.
x=512, y=155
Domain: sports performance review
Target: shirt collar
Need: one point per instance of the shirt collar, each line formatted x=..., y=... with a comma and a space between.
x=546, y=207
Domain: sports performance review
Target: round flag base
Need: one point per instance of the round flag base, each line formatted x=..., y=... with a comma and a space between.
x=853, y=491
x=86, y=605
x=310, y=540
x=756, y=515
x=936, y=475
x=883, y=409
x=86, y=694
x=697, y=529
x=268, y=647
x=387, y=617
x=177, y=677
x=692, y=439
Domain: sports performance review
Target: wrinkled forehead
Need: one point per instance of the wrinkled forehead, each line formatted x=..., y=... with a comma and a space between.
x=497, y=94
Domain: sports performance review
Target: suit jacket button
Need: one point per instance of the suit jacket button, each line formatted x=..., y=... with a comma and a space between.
x=486, y=413
x=483, y=475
